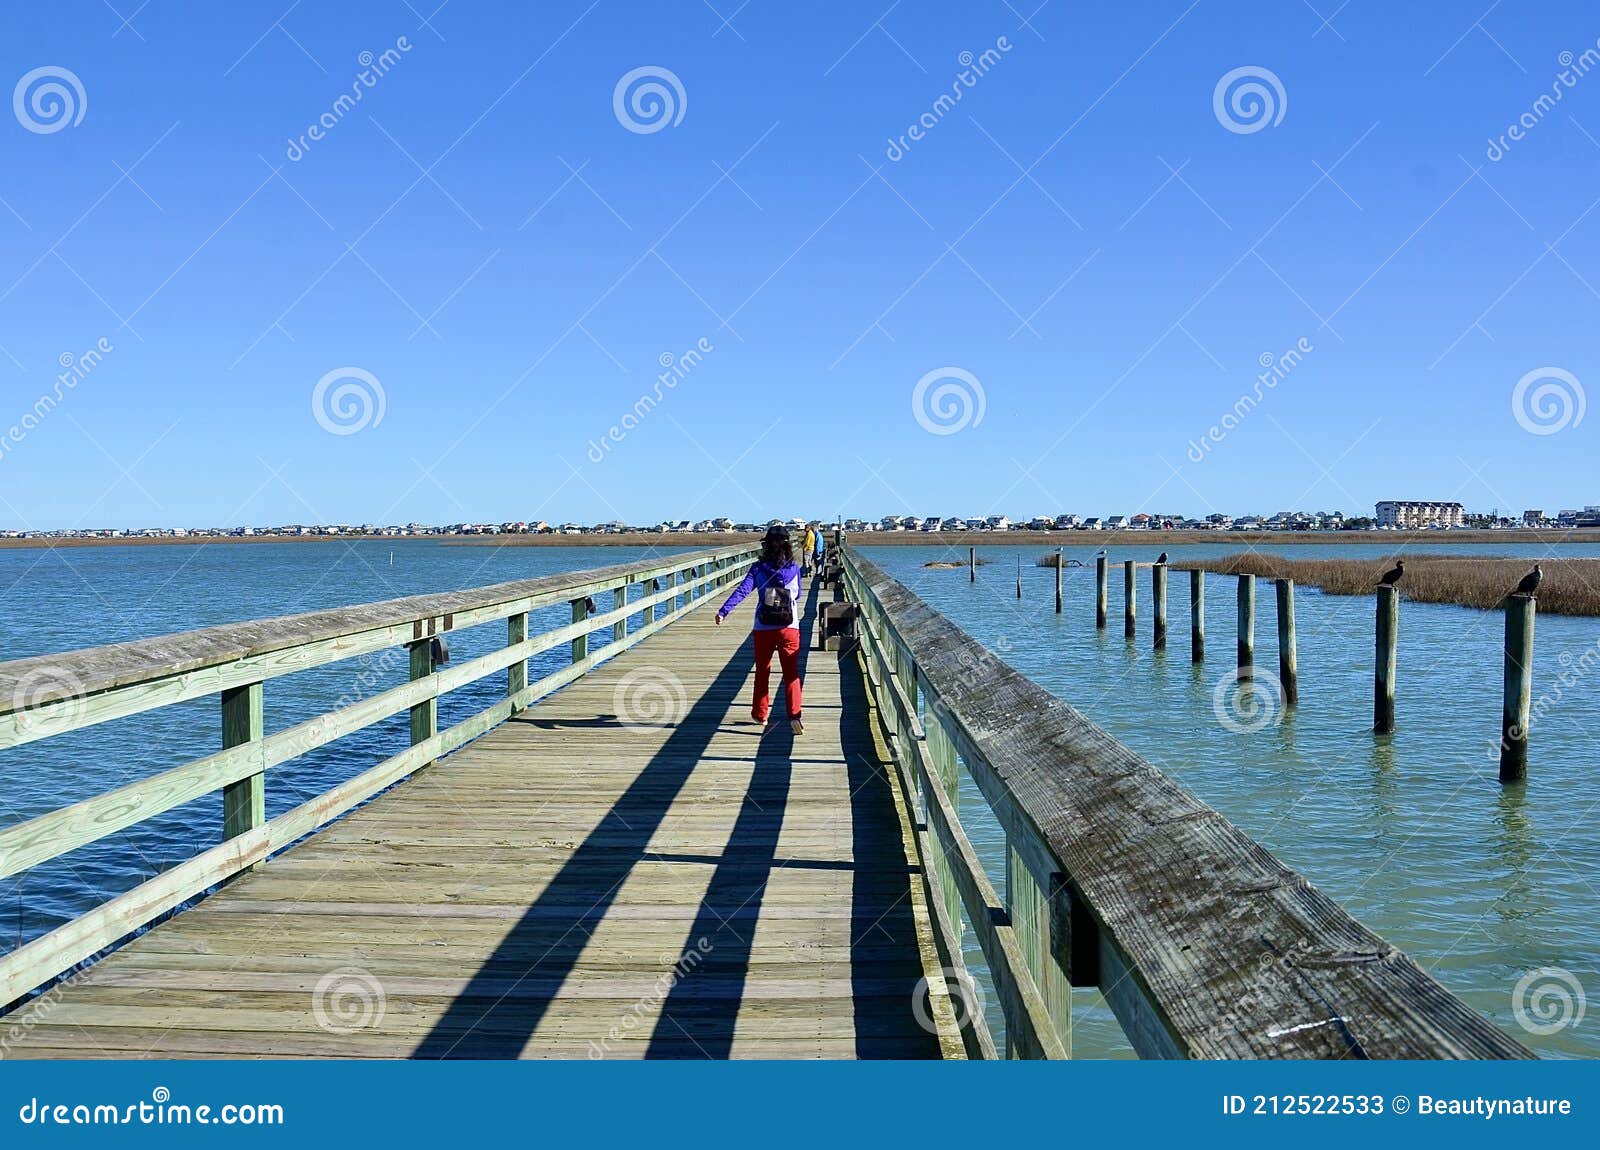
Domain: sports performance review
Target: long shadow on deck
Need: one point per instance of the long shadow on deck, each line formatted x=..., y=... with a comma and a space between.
x=488, y=1021
x=737, y=885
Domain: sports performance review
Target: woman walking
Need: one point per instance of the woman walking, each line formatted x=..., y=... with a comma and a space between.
x=776, y=577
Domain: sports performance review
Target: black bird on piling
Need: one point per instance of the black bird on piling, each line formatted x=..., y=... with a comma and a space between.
x=1161, y=560
x=1530, y=582
x=1392, y=576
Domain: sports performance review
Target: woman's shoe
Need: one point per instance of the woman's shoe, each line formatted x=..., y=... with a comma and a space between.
x=797, y=726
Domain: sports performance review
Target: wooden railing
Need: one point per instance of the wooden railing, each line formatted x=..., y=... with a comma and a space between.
x=53, y=694
x=1203, y=943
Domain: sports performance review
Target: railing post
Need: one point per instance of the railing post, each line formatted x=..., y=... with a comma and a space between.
x=672, y=585
x=244, y=803
x=1031, y=906
x=1158, y=593
x=1388, y=631
x=1246, y=645
x=1100, y=592
x=619, y=629
x=517, y=673
x=1197, y=616
x=424, y=715
x=1515, y=708
x=1288, y=660
x=580, y=643
x=1130, y=599
x=942, y=753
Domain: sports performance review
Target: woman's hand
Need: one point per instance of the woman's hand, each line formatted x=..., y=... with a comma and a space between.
x=718, y=619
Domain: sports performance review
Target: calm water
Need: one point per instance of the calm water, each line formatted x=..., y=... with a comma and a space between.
x=1411, y=833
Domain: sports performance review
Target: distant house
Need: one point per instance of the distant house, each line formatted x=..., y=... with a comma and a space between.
x=1116, y=522
x=1067, y=522
x=1141, y=521
x=1092, y=523
x=997, y=523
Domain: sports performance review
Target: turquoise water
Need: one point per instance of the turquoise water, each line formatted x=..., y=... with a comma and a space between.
x=1412, y=833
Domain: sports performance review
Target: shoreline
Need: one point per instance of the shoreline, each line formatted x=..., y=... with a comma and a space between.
x=1048, y=539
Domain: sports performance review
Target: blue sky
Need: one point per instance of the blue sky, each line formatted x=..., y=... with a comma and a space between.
x=1088, y=246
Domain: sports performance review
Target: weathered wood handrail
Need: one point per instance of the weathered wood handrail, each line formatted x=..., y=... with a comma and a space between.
x=1203, y=943
x=51, y=694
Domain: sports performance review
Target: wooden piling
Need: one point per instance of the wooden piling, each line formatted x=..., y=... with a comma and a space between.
x=1100, y=592
x=972, y=564
x=1059, y=564
x=1197, y=616
x=1158, y=594
x=1247, y=625
x=1516, y=708
x=1019, y=581
x=1130, y=598
x=1388, y=633
x=1288, y=662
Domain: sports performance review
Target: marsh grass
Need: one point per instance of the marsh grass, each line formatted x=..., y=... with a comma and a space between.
x=1570, y=587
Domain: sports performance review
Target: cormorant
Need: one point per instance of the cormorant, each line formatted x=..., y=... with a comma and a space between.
x=1530, y=582
x=1392, y=576
x=1161, y=560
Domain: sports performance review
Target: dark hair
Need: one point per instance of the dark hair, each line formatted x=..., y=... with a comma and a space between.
x=776, y=549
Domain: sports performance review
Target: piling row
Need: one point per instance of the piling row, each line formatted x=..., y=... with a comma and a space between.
x=1520, y=610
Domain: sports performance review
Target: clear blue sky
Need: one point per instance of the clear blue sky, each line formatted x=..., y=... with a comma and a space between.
x=1082, y=234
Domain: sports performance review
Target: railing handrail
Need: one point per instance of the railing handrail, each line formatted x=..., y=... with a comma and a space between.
x=1205, y=945
x=32, y=683
x=239, y=769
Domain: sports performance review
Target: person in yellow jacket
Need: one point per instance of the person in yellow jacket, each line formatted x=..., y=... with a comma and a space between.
x=805, y=554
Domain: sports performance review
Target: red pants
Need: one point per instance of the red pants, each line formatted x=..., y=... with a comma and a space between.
x=787, y=644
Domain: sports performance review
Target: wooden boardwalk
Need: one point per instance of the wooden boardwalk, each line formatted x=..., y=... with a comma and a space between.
x=569, y=885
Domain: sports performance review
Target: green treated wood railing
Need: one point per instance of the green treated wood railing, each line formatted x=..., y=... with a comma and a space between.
x=1116, y=877
x=52, y=694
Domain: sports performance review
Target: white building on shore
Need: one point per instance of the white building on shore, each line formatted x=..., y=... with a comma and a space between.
x=1412, y=514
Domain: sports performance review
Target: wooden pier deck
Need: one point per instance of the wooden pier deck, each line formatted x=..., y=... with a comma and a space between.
x=569, y=885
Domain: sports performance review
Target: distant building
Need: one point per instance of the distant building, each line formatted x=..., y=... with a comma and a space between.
x=1533, y=518
x=1413, y=514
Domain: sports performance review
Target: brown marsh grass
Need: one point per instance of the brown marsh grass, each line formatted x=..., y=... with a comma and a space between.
x=1570, y=587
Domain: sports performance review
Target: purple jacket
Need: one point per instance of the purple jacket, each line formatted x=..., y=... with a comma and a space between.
x=763, y=576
